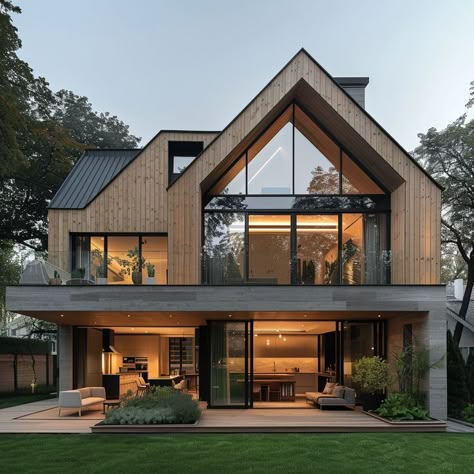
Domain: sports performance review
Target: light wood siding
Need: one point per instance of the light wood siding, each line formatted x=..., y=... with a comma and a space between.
x=135, y=201
x=416, y=203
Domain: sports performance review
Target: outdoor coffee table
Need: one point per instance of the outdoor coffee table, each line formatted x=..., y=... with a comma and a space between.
x=111, y=403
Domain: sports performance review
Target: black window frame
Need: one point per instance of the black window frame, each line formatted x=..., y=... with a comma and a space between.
x=181, y=148
x=139, y=235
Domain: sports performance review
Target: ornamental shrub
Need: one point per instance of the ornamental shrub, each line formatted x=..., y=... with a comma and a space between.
x=371, y=374
x=160, y=405
x=402, y=407
x=468, y=413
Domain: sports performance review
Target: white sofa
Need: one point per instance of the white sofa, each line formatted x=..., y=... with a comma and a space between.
x=80, y=398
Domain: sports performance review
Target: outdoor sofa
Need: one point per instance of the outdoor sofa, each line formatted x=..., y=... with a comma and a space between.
x=341, y=396
x=81, y=398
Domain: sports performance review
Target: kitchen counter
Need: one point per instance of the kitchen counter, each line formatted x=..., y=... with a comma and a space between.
x=117, y=385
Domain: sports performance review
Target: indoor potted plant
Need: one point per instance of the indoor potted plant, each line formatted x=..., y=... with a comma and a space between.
x=56, y=280
x=133, y=265
x=371, y=378
x=101, y=278
x=100, y=266
x=150, y=270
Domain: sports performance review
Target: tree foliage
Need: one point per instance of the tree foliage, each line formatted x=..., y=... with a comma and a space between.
x=448, y=155
x=42, y=135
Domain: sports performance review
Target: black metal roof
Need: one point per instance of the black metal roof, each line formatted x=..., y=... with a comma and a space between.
x=94, y=170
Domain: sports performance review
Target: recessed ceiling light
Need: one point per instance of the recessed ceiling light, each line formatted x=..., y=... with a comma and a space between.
x=378, y=316
x=128, y=315
x=171, y=315
x=284, y=339
x=133, y=329
x=62, y=315
x=305, y=315
x=230, y=315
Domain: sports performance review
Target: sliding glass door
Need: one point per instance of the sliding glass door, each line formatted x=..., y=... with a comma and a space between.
x=230, y=362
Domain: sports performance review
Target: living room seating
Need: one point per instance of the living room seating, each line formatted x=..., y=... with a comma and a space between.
x=81, y=398
x=338, y=395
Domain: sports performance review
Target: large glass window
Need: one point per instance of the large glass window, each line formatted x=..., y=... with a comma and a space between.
x=270, y=159
x=155, y=259
x=229, y=363
x=296, y=208
x=120, y=259
x=317, y=250
x=223, y=251
x=269, y=249
x=317, y=158
x=365, y=255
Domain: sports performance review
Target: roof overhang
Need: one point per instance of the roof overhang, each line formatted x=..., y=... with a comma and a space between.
x=105, y=306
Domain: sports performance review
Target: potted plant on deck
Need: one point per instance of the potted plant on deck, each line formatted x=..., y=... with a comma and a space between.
x=56, y=281
x=150, y=270
x=371, y=378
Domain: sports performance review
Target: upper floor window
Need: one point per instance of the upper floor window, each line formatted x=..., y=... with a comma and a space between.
x=294, y=156
x=180, y=156
x=296, y=208
x=120, y=259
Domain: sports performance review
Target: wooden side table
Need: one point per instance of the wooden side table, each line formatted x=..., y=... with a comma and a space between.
x=110, y=404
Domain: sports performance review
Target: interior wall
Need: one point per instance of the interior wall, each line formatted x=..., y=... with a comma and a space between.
x=281, y=356
x=138, y=346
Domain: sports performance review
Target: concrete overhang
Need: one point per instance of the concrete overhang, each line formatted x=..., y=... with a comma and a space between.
x=192, y=305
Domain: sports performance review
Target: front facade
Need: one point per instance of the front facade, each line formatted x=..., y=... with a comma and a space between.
x=260, y=261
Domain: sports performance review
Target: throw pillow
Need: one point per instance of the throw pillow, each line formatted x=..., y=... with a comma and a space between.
x=338, y=392
x=329, y=387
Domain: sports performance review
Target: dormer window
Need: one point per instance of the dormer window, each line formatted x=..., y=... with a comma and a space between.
x=180, y=156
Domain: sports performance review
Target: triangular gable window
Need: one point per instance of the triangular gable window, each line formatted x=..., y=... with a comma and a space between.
x=294, y=156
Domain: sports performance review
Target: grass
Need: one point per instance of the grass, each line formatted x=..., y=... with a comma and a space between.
x=12, y=400
x=251, y=453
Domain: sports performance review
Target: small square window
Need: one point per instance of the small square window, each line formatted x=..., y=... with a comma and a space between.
x=180, y=163
x=180, y=156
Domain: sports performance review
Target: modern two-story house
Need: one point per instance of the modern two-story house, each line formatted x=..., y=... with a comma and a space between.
x=259, y=261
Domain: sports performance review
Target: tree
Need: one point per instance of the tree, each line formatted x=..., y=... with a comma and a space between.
x=448, y=155
x=10, y=273
x=90, y=128
x=470, y=374
x=458, y=393
x=42, y=135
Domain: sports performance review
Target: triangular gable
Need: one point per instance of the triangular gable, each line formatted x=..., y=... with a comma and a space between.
x=300, y=77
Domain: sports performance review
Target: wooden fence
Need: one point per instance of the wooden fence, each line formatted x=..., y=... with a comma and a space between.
x=16, y=371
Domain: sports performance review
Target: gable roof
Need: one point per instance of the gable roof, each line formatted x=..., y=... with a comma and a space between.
x=90, y=175
x=338, y=83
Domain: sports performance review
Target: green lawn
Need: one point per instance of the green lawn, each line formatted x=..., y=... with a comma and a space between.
x=214, y=453
x=12, y=400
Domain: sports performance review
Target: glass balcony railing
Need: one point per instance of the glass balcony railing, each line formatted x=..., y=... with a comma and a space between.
x=370, y=269
x=92, y=268
x=66, y=268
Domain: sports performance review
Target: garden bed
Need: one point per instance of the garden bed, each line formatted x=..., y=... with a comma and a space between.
x=431, y=425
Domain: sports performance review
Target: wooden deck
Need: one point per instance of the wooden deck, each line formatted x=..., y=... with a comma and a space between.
x=42, y=417
x=280, y=420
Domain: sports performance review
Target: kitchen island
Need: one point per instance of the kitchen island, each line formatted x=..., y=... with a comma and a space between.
x=118, y=385
x=274, y=387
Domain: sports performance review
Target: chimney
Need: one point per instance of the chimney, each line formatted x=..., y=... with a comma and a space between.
x=355, y=87
x=459, y=289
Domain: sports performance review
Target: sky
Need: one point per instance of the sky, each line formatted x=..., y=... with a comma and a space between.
x=194, y=65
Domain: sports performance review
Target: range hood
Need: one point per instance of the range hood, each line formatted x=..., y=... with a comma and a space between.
x=108, y=338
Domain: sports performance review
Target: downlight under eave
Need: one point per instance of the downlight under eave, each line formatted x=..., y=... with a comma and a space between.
x=294, y=156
